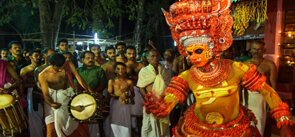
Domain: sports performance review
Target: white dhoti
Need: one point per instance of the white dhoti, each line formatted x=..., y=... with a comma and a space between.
x=64, y=125
x=152, y=126
x=257, y=104
x=35, y=117
x=120, y=115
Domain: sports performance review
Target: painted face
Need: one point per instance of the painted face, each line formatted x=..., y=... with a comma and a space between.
x=199, y=55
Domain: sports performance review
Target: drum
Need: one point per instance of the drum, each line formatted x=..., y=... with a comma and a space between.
x=12, y=116
x=85, y=107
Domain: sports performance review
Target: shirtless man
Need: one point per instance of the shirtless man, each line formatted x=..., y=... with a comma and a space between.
x=33, y=96
x=121, y=47
x=99, y=60
x=108, y=67
x=254, y=100
x=45, y=53
x=57, y=88
x=27, y=73
x=121, y=90
x=133, y=69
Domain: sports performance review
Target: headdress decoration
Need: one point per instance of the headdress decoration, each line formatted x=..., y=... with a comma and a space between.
x=201, y=22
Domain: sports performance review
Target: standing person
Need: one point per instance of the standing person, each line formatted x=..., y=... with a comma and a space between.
x=8, y=75
x=121, y=90
x=252, y=99
x=95, y=77
x=133, y=69
x=45, y=53
x=33, y=96
x=99, y=60
x=57, y=86
x=16, y=59
x=108, y=67
x=168, y=60
x=153, y=79
x=63, y=47
x=9, y=82
x=4, y=54
x=120, y=50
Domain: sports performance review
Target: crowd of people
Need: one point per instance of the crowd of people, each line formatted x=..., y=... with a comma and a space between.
x=119, y=78
x=47, y=79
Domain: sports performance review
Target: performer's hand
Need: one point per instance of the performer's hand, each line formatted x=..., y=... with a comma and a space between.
x=286, y=131
x=157, y=106
x=55, y=105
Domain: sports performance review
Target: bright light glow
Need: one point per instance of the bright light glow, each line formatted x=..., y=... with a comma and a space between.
x=279, y=44
x=289, y=35
x=288, y=61
x=79, y=43
x=96, y=40
x=278, y=56
x=280, y=31
x=175, y=44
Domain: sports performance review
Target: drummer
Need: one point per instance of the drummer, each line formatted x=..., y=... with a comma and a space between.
x=57, y=86
x=95, y=77
x=8, y=75
x=9, y=81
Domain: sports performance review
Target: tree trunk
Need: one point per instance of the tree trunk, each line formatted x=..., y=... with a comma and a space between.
x=120, y=22
x=50, y=21
x=139, y=25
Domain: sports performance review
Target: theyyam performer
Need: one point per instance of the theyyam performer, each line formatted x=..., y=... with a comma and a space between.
x=202, y=30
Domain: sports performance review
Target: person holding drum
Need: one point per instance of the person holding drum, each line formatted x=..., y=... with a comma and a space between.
x=12, y=117
x=57, y=86
x=95, y=77
x=122, y=92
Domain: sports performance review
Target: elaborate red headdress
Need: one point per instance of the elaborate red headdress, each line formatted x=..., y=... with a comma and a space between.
x=201, y=21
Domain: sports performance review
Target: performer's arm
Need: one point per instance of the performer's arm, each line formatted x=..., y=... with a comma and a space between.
x=174, y=93
x=45, y=90
x=79, y=78
x=255, y=81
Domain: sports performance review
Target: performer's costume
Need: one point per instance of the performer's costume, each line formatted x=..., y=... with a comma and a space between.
x=202, y=30
x=151, y=126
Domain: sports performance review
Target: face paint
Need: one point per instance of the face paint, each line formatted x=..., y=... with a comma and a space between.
x=199, y=55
